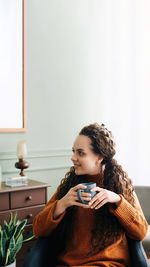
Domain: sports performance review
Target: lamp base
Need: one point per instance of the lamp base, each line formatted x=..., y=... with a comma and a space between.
x=22, y=164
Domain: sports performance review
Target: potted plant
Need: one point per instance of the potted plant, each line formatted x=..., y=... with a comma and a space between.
x=11, y=240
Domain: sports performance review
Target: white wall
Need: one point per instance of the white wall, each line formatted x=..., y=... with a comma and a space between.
x=87, y=61
x=93, y=58
x=121, y=42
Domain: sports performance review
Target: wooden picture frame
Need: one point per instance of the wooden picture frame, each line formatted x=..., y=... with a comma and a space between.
x=13, y=66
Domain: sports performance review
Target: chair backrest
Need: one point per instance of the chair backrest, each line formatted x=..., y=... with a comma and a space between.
x=137, y=253
x=143, y=194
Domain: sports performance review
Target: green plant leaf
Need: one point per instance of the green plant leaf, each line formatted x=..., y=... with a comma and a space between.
x=11, y=239
x=11, y=243
x=7, y=256
x=3, y=245
x=16, y=248
x=11, y=220
x=10, y=248
x=29, y=237
x=6, y=228
x=14, y=218
x=5, y=224
x=12, y=230
x=2, y=240
x=19, y=229
x=5, y=234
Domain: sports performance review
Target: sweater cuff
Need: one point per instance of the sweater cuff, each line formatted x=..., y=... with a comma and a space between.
x=124, y=211
x=51, y=215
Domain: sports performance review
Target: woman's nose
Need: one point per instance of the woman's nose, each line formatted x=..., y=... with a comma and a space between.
x=73, y=158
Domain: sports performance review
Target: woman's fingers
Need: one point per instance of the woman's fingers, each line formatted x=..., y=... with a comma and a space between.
x=97, y=199
x=99, y=205
x=104, y=196
x=83, y=198
x=79, y=186
x=73, y=197
x=99, y=202
x=99, y=196
x=82, y=194
x=97, y=189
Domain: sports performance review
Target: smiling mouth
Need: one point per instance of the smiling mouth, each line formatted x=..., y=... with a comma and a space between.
x=76, y=166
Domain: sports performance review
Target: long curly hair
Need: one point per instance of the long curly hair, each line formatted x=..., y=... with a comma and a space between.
x=107, y=229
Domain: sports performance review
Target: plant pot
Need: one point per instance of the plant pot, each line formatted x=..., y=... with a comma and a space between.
x=11, y=265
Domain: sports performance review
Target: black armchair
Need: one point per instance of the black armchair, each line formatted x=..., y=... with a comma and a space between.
x=137, y=253
x=40, y=256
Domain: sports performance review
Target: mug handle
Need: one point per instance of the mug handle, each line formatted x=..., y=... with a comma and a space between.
x=79, y=196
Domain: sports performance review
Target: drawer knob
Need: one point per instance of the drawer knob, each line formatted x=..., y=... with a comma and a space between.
x=29, y=216
x=29, y=197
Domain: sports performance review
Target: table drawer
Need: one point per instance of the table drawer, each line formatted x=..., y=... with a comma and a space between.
x=4, y=201
x=29, y=213
x=25, y=213
x=4, y=215
x=27, y=198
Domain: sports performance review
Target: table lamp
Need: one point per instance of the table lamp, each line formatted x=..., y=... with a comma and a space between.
x=21, y=154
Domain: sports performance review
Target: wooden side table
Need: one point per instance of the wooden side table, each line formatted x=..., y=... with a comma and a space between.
x=27, y=201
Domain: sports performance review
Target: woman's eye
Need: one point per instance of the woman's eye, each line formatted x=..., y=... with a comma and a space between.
x=80, y=153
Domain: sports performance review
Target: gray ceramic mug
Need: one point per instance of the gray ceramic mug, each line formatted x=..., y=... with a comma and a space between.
x=88, y=188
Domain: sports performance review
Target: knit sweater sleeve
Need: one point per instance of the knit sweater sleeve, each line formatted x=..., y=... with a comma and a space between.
x=131, y=218
x=44, y=223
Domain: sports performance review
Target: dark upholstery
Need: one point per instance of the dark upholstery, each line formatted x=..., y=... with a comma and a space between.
x=40, y=254
x=43, y=254
x=137, y=253
x=143, y=194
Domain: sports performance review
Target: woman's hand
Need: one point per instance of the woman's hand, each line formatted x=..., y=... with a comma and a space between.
x=71, y=199
x=102, y=197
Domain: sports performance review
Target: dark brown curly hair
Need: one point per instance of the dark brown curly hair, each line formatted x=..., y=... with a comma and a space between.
x=107, y=229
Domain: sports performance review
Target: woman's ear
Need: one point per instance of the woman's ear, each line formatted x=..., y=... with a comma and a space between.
x=100, y=159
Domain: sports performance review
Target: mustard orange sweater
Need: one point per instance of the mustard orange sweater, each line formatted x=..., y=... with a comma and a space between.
x=116, y=254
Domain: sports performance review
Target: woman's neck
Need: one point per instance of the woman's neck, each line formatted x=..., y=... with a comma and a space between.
x=96, y=178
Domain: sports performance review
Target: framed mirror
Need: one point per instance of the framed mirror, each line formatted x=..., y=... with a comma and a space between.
x=12, y=66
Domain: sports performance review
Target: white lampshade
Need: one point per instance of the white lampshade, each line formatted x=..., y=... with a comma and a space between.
x=21, y=149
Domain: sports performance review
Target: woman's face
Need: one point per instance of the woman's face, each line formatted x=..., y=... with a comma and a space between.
x=84, y=159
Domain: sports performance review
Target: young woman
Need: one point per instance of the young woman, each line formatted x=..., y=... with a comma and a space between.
x=93, y=234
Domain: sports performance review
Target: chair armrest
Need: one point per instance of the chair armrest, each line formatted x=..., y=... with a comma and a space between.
x=146, y=241
x=137, y=253
x=41, y=255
